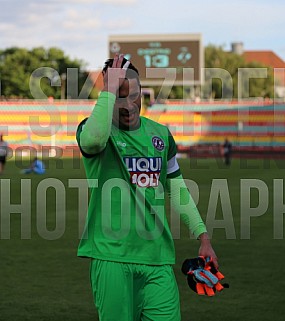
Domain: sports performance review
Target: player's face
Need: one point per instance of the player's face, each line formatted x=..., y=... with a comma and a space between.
x=128, y=105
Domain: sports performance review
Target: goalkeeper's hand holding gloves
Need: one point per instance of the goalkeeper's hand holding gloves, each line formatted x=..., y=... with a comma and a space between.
x=202, y=276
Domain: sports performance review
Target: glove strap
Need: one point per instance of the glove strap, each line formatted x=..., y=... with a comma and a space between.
x=206, y=277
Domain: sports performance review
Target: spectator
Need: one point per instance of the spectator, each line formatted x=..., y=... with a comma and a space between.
x=37, y=167
x=3, y=153
x=227, y=152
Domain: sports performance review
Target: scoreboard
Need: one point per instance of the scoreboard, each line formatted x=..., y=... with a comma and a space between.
x=170, y=59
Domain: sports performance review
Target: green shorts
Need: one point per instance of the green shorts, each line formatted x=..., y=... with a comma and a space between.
x=134, y=292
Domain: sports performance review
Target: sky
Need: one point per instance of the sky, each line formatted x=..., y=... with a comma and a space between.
x=81, y=27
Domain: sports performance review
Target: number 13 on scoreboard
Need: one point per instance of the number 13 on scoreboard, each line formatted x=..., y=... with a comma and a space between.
x=159, y=61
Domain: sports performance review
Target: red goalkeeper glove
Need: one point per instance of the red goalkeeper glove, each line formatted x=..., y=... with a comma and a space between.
x=202, y=276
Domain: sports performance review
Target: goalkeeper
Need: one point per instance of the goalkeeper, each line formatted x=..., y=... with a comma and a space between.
x=129, y=161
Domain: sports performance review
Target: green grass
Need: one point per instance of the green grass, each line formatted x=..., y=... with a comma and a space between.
x=44, y=280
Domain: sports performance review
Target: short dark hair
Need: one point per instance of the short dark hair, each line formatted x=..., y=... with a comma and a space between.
x=129, y=74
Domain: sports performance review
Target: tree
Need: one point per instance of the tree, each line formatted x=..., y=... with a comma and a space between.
x=226, y=77
x=40, y=72
x=231, y=67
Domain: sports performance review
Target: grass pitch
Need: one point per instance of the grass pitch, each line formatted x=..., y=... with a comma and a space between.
x=42, y=279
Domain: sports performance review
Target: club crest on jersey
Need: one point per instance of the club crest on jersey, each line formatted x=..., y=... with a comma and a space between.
x=144, y=171
x=158, y=143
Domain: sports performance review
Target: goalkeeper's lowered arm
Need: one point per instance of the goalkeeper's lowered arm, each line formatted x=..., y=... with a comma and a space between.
x=179, y=194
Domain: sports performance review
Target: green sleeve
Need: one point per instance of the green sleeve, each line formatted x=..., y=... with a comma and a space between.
x=97, y=128
x=171, y=158
x=172, y=146
x=182, y=203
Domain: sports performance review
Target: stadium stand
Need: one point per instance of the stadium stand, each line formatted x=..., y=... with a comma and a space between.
x=252, y=126
x=249, y=126
x=34, y=123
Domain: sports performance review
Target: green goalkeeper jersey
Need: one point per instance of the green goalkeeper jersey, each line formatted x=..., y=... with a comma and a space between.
x=126, y=219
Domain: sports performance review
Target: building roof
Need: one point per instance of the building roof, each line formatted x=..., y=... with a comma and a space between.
x=268, y=58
